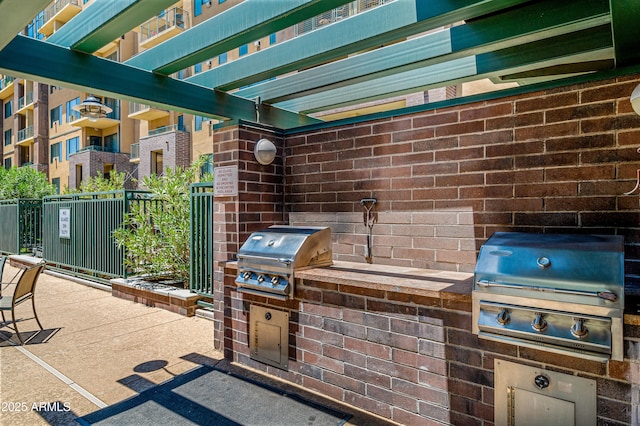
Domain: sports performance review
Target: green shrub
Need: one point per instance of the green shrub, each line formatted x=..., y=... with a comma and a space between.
x=98, y=183
x=156, y=236
x=24, y=182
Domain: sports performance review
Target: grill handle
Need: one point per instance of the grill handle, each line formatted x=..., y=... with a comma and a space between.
x=267, y=258
x=606, y=295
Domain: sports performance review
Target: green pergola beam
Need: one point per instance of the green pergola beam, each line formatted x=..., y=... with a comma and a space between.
x=626, y=37
x=378, y=26
x=40, y=61
x=16, y=15
x=585, y=45
x=501, y=30
x=104, y=21
x=244, y=23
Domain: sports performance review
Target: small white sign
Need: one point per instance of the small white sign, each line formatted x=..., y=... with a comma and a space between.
x=225, y=181
x=64, y=223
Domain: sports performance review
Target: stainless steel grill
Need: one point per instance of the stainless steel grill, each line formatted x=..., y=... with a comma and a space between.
x=560, y=293
x=267, y=261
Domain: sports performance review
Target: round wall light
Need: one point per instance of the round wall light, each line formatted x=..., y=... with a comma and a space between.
x=265, y=152
x=635, y=99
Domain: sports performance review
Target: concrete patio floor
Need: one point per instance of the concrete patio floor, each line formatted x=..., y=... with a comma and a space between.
x=97, y=350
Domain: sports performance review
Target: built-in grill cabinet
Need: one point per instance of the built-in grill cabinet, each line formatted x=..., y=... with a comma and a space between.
x=560, y=293
x=267, y=261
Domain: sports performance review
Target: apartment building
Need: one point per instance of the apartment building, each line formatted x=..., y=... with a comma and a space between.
x=40, y=127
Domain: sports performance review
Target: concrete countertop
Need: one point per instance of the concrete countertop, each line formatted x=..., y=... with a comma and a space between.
x=423, y=282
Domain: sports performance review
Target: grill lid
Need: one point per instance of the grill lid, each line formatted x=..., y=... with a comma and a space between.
x=301, y=247
x=578, y=262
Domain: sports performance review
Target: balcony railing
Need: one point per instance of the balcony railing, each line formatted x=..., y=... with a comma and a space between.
x=337, y=14
x=135, y=151
x=135, y=107
x=166, y=21
x=5, y=81
x=145, y=112
x=167, y=129
x=25, y=100
x=26, y=133
x=57, y=6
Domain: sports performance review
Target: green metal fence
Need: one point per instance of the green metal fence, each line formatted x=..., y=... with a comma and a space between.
x=201, y=273
x=20, y=225
x=78, y=228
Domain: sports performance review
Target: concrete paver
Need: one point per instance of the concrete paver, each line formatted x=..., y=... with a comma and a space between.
x=98, y=350
x=111, y=348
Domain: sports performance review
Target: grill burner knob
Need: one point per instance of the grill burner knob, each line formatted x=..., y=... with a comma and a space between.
x=260, y=278
x=275, y=280
x=578, y=329
x=246, y=275
x=503, y=317
x=543, y=262
x=539, y=323
x=541, y=381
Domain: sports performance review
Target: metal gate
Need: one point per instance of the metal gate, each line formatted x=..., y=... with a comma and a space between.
x=20, y=225
x=78, y=232
x=201, y=274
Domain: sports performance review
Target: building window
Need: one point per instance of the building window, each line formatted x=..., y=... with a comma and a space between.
x=73, y=145
x=221, y=1
x=8, y=109
x=244, y=49
x=222, y=59
x=56, y=115
x=7, y=163
x=197, y=68
x=35, y=25
x=95, y=141
x=197, y=7
x=198, y=122
x=71, y=114
x=56, y=152
x=111, y=143
x=7, y=137
x=272, y=39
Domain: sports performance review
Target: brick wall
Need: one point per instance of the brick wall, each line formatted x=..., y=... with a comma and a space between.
x=552, y=161
x=558, y=160
x=93, y=162
x=175, y=147
x=408, y=358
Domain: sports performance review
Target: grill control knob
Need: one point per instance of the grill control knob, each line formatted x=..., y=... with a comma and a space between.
x=541, y=381
x=260, y=278
x=578, y=329
x=503, y=317
x=246, y=275
x=543, y=262
x=539, y=323
x=275, y=280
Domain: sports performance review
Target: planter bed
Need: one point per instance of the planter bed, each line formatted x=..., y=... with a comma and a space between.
x=156, y=294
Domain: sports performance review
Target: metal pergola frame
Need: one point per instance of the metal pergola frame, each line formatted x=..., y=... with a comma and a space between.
x=400, y=47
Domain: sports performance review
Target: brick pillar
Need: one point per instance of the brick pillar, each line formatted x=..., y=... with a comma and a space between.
x=258, y=204
x=41, y=127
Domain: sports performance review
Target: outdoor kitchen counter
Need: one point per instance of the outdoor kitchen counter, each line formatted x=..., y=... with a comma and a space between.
x=412, y=281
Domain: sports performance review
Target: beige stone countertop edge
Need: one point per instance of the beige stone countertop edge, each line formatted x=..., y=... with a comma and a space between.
x=424, y=282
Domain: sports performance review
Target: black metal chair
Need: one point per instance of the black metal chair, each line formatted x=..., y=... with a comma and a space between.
x=3, y=259
x=24, y=290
